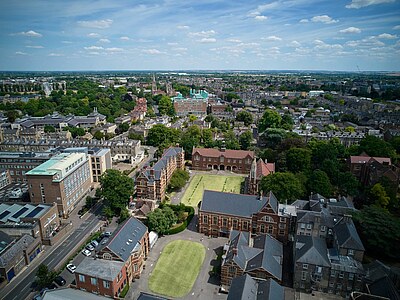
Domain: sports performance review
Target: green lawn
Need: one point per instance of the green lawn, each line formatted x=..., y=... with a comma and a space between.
x=177, y=268
x=199, y=183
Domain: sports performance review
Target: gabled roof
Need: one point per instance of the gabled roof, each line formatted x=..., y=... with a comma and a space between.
x=311, y=250
x=212, y=152
x=264, y=169
x=126, y=239
x=100, y=268
x=233, y=204
x=246, y=288
x=347, y=235
x=368, y=159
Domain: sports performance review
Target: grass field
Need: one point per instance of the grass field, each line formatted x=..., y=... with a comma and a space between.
x=199, y=183
x=177, y=268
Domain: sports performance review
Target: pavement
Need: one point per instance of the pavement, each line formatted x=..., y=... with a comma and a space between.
x=205, y=287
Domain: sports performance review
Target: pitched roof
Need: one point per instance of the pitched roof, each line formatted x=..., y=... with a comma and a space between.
x=311, y=250
x=347, y=235
x=246, y=288
x=264, y=169
x=126, y=239
x=100, y=268
x=146, y=296
x=212, y=152
x=70, y=294
x=15, y=249
x=367, y=159
x=234, y=204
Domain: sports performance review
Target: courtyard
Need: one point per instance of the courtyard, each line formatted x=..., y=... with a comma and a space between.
x=201, y=182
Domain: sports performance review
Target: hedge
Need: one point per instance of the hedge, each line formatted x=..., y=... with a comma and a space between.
x=185, y=223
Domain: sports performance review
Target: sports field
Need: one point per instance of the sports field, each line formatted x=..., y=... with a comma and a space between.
x=177, y=268
x=199, y=183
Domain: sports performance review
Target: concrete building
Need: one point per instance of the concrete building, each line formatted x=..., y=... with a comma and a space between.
x=195, y=104
x=64, y=179
x=102, y=277
x=100, y=161
x=5, y=178
x=238, y=161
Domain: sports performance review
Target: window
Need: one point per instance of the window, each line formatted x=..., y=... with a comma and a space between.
x=270, y=229
x=341, y=274
x=323, y=228
x=350, y=252
x=81, y=278
x=303, y=275
x=224, y=222
x=302, y=226
x=305, y=266
x=267, y=219
x=235, y=224
x=93, y=281
x=333, y=273
x=309, y=226
x=262, y=228
x=245, y=225
x=331, y=284
x=281, y=232
x=231, y=270
x=215, y=220
x=205, y=219
x=351, y=276
x=282, y=226
x=282, y=220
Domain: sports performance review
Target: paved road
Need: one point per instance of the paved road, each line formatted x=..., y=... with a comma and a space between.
x=22, y=288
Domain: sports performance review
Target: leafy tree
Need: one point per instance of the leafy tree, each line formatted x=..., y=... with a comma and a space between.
x=245, y=117
x=231, y=142
x=123, y=127
x=98, y=135
x=285, y=186
x=319, y=183
x=165, y=106
x=160, y=220
x=192, y=118
x=44, y=277
x=178, y=179
x=379, y=194
x=347, y=184
x=270, y=119
x=12, y=115
x=136, y=136
x=161, y=135
x=287, y=122
x=116, y=189
x=245, y=140
x=191, y=138
x=49, y=128
x=379, y=231
x=298, y=160
x=375, y=146
x=231, y=96
x=207, y=138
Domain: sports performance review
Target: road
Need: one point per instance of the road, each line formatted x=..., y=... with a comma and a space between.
x=23, y=288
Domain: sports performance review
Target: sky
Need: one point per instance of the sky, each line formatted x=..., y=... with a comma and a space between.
x=336, y=35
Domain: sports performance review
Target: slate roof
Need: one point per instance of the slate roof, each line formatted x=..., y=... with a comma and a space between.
x=236, y=204
x=146, y=296
x=212, y=152
x=246, y=288
x=126, y=239
x=16, y=249
x=384, y=287
x=311, y=250
x=100, y=268
x=70, y=294
x=347, y=236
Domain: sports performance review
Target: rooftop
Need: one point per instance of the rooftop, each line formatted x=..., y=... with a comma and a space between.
x=100, y=268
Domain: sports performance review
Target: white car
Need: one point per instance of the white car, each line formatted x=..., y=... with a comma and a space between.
x=71, y=268
x=86, y=252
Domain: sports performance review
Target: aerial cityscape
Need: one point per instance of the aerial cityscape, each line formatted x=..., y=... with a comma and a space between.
x=200, y=150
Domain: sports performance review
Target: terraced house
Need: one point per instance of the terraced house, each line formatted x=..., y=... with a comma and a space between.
x=220, y=212
x=151, y=183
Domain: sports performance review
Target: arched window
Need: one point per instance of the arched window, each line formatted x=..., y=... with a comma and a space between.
x=267, y=219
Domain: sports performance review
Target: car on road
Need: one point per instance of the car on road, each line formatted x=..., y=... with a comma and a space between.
x=86, y=252
x=60, y=280
x=71, y=268
x=89, y=247
x=104, y=241
x=94, y=243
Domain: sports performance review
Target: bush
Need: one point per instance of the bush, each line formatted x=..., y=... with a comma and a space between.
x=185, y=223
x=124, y=291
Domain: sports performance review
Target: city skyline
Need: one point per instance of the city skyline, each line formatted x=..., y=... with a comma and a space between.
x=344, y=35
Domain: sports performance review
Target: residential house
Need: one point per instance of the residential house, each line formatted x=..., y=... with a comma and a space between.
x=259, y=169
x=260, y=257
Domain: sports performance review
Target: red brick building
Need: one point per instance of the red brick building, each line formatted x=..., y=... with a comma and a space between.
x=221, y=212
x=128, y=244
x=238, y=161
x=101, y=277
x=151, y=183
x=259, y=169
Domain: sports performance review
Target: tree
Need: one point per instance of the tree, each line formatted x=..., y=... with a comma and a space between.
x=160, y=220
x=178, y=179
x=245, y=117
x=166, y=107
x=191, y=138
x=245, y=140
x=270, y=119
x=231, y=142
x=12, y=115
x=44, y=277
x=375, y=146
x=378, y=193
x=136, y=136
x=98, y=135
x=116, y=189
x=287, y=122
x=379, y=231
x=285, y=186
x=161, y=135
x=298, y=160
x=347, y=184
x=123, y=127
x=230, y=96
x=49, y=128
x=319, y=183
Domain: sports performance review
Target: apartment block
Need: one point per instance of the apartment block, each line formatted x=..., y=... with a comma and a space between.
x=64, y=179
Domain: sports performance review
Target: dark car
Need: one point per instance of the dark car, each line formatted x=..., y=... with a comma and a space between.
x=59, y=280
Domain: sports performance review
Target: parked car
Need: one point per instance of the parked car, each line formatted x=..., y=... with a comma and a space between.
x=71, y=268
x=59, y=280
x=107, y=233
x=86, y=252
x=94, y=243
x=89, y=247
x=104, y=241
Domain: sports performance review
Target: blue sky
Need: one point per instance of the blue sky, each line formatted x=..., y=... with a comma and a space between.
x=347, y=35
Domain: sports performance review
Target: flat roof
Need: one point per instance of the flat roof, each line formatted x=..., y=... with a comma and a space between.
x=56, y=164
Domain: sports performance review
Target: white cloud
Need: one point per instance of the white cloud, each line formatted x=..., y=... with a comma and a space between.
x=272, y=38
x=66, y=42
x=21, y=53
x=387, y=36
x=29, y=33
x=56, y=54
x=104, y=41
x=260, y=18
x=182, y=27
x=35, y=47
x=203, y=33
x=100, y=24
x=396, y=27
x=152, y=51
x=94, y=53
x=363, y=3
x=268, y=6
x=172, y=44
x=180, y=49
x=350, y=30
x=93, y=48
x=207, y=40
x=295, y=44
x=114, y=49
x=320, y=46
x=124, y=38
x=93, y=35
x=234, y=40
x=304, y=21
x=323, y=19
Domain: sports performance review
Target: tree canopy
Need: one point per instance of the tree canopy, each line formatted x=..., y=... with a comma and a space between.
x=284, y=185
x=160, y=220
x=44, y=277
x=245, y=117
x=270, y=119
x=178, y=179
